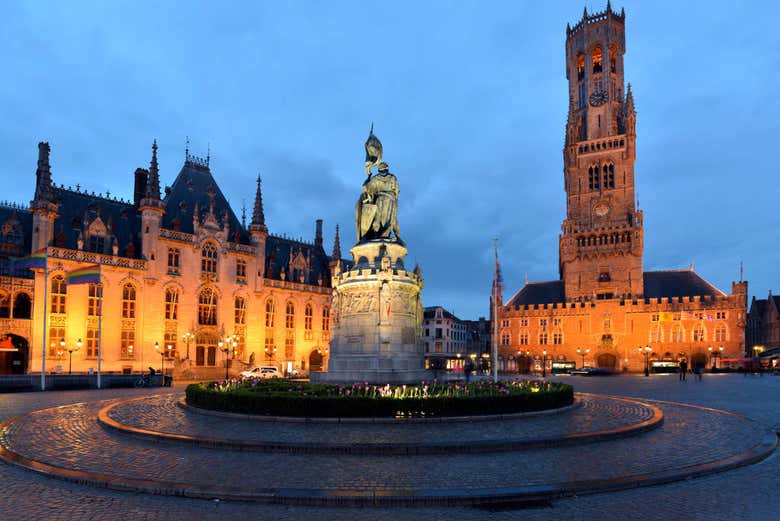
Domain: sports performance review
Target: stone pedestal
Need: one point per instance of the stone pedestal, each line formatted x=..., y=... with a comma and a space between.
x=377, y=319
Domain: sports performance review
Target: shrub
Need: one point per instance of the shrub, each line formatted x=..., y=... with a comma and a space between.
x=433, y=399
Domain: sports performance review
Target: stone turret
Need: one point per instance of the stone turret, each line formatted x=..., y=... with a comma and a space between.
x=259, y=233
x=152, y=209
x=43, y=207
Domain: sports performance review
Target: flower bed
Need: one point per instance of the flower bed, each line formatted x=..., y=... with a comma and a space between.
x=432, y=399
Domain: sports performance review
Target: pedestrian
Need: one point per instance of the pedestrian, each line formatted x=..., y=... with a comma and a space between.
x=683, y=368
x=698, y=370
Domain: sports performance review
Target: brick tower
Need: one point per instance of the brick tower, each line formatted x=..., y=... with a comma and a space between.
x=600, y=245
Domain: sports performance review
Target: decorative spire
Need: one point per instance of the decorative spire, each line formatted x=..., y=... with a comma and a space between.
x=498, y=280
x=258, y=216
x=585, y=13
x=609, y=7
x=153, y=185
x=43, y=187
x=336, y=255
x=208, y=154
x=187, y=148
x=629, y=98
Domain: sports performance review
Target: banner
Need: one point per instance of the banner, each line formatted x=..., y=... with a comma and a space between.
x=85, y=275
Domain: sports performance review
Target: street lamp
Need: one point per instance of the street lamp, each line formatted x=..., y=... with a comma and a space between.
x=225, y=348
x=544, y=363
x=582, y=353
x=162, y=357
x=189, y=335
x=70, y=351
x=645, y=351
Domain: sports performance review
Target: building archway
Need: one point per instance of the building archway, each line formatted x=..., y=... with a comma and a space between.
x=606, y=360
x=315, y=360
x=14, y=354
x=698, y=360
x=206, y=349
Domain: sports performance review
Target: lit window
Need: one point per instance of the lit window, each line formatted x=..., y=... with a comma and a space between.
x=240, y=311
x=173, y=260
x=699, y=333
x=326, y=319
x=126, y=340
x=208, y=260
x=241, y=270
x=207, y=307
x=94, y=297
x=289, y=317
x=543, y=338
x=58, y=294
x=269, y=313
x=171, y=304
x=597, y=60
x=128, y=301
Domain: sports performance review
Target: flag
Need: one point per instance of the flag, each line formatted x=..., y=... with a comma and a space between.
x=86, y=275
x=36, y=260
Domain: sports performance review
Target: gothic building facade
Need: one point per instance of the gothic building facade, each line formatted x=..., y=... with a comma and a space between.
x=604, y=305
x=183, y=281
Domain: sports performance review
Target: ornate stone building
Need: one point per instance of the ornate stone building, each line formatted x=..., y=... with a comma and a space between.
x=604, y=302
x=180, y=273
x=763, y=325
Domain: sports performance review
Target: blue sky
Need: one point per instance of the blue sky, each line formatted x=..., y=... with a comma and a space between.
x=468, y=98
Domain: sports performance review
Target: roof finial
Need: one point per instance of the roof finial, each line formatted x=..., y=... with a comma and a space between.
x=187, y=148
x=208, y=154
x=609, y=7
x=691, y=266
x=243, y=212
x=258, y=216
x=741, y=272
x=336, y=255
x=585, y=13
x=153, y=184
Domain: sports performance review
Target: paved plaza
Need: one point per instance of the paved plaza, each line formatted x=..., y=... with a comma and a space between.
x=689, y=435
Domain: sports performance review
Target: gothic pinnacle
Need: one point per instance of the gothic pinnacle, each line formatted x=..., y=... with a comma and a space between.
x=258, y=216
x=336, y=255
x=153, y=185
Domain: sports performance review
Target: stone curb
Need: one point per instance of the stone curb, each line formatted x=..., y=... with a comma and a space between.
x=398, y=449
x=397, y=497
x=442, y=419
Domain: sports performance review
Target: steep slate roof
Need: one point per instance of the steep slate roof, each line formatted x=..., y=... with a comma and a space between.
x=758, y=306
x=681, y=283
x=278, y=257
x=538, y=293
x=17, y=243
x=77, y=209
x=191, y=186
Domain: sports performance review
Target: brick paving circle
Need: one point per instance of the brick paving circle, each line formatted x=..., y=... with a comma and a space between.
x=67, y=442
x=597, y=419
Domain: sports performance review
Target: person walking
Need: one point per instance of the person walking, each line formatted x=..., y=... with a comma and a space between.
x=683, y=368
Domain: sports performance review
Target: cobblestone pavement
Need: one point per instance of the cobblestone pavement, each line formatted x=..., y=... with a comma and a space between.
x=745, y=493
x=164, y=414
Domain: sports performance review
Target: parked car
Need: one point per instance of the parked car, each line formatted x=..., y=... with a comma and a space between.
x=591, y=371
x=262, y=372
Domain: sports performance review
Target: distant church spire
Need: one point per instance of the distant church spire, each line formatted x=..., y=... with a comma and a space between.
x=43, y=189
x=153, y=186
x=336, y=246
x=498, y=280
x=258, y=216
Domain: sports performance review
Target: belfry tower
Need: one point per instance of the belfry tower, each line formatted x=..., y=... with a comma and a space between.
x=601, y=238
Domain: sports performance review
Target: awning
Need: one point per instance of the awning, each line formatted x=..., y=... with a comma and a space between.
x=6, y=346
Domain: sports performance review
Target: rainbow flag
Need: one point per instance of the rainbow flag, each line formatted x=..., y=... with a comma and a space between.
x=36, y=260
x=86, y=275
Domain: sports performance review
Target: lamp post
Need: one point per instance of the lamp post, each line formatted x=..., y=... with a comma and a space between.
x=582, y=353
x=225, y=348
x=162, y=357
x=645, y=351
x=544, y=363
x=189, y=335
x=70, y=351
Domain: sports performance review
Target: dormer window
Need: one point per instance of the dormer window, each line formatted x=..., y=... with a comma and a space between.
x=208, y=260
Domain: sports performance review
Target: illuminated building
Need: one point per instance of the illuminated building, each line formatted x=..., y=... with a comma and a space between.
x=180, y=273
x=604, y=300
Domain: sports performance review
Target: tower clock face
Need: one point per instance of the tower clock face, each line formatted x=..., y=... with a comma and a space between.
x=598, y=98
x=601, y=210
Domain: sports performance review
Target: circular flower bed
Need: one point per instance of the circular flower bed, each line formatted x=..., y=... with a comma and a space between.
x=431, y=399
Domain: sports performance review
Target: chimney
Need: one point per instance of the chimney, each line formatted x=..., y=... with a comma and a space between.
x=139, y=190
x=318, y=234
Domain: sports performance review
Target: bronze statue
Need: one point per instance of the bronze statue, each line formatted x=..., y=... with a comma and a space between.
x=376, y=212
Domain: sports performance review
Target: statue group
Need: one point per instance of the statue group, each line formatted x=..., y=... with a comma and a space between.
x=376, y=212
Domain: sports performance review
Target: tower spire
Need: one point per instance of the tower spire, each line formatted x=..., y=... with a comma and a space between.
x=43, y=188
x=153, y=185
x=336, y=255
x=258, y=216
x=498, y=280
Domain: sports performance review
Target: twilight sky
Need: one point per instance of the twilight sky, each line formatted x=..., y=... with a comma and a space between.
x=468, y=98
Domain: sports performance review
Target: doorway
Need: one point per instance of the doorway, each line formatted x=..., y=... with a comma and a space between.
x=14, y=354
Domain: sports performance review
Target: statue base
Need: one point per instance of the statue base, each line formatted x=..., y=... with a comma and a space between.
x=377, y=320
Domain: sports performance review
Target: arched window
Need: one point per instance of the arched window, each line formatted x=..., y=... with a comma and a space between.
x=557, y=338
x=613, y=59
x=22, y=305
x=289, y=315
x=597, y=60
x=58, y=294
x=678, y=334
x=699, y=333
x=594, y=177
x=208, y=259
x=721, y=334
x=269, y=312
x=308, y=319
x=580, y=67
x=240, y=310
x=609, y=176
x=656, y=334
x=543, y=338
x=56, y=336
x=171, y=304
x=5, y=305
x=326, y=318
x=240, y=270
x=128, y=301
x=505, y=338
x=94, y=297
x=207, y=307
